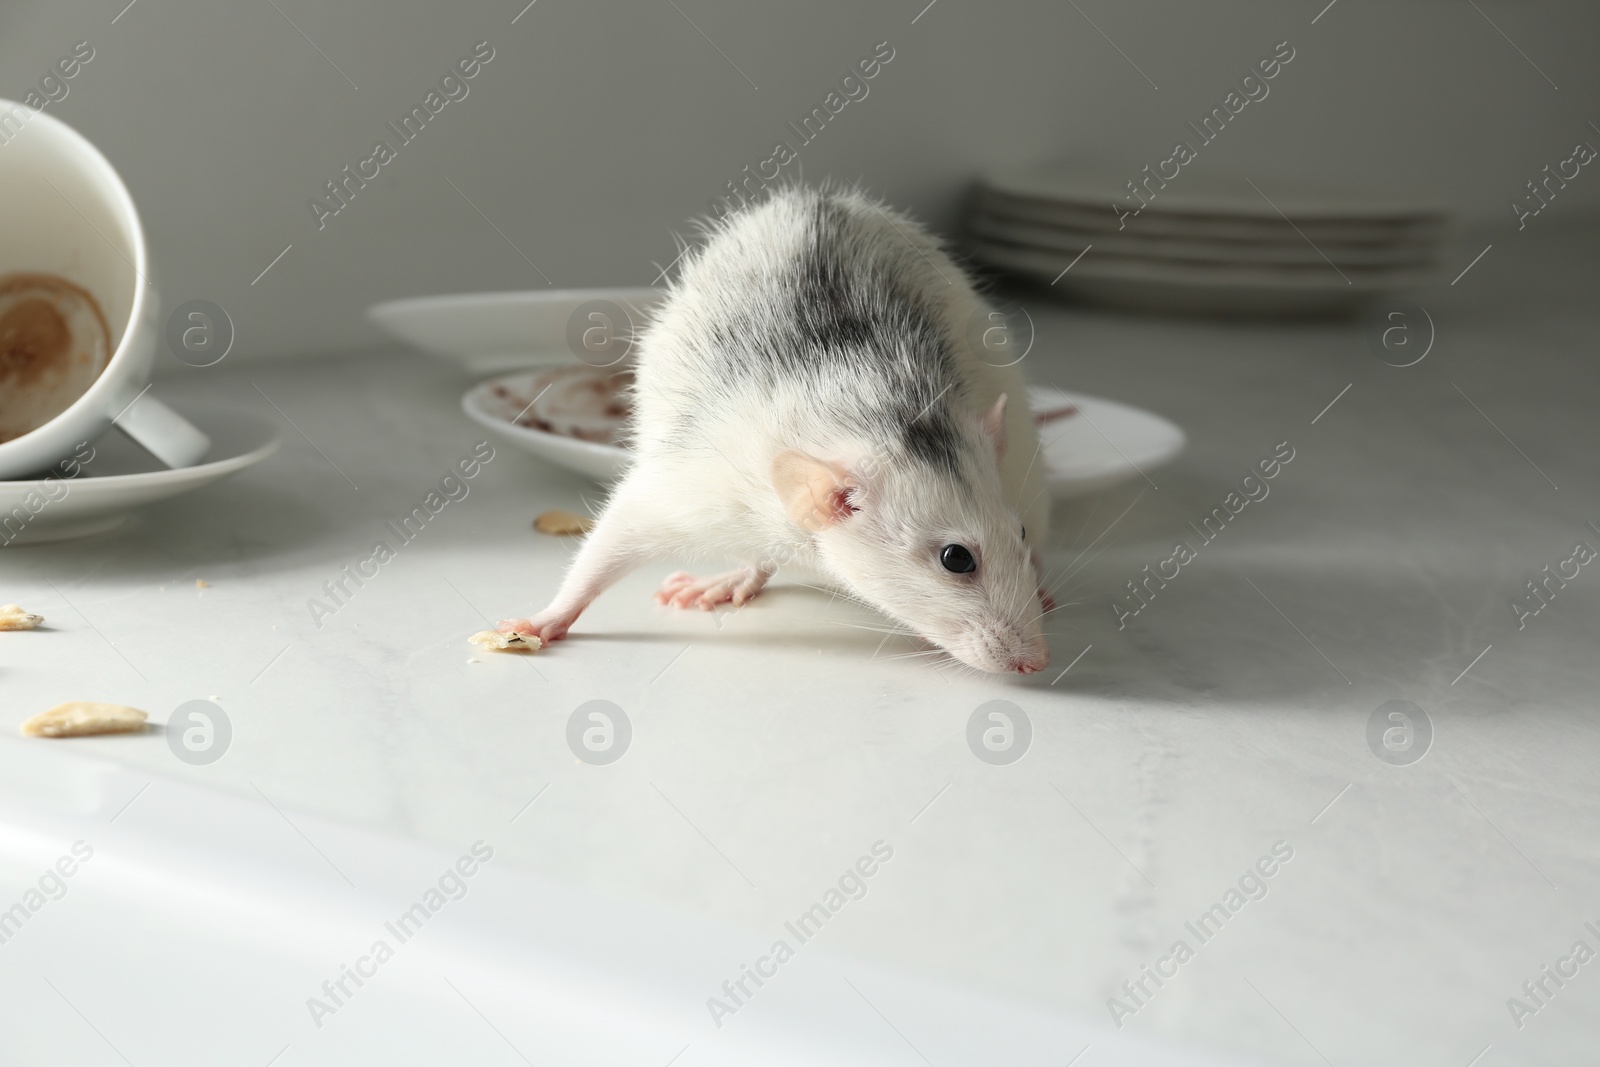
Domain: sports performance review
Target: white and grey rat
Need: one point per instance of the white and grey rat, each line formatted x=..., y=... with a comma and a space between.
x=810, y=394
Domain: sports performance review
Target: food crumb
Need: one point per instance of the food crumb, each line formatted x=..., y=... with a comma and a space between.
x=504, y=642
x=560, y=523
x=12, y=617
x=201, y=583
x=84, y=718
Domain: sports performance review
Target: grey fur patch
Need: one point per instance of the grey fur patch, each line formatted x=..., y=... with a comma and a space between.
x=856, y=302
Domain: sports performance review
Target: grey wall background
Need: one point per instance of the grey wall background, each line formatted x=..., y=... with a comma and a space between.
x=599, y=129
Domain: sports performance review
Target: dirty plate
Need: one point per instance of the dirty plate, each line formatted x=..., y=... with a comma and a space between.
x=1088, y=443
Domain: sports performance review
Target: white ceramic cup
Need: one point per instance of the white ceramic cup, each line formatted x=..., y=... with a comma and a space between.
x=65, y=212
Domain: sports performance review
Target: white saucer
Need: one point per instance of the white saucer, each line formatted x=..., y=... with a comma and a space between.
x=1103, y=444
x=122, y=477
x=491, y=332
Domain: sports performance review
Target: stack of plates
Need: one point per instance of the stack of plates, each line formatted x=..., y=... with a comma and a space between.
x=1203, y=245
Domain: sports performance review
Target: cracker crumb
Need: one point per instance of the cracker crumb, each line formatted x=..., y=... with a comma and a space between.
x=83, y=718
x=12, y=617
x=560, y=523
x=201, y=583
x=504, y=642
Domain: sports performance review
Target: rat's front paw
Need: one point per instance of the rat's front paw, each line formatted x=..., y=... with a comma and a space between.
x=546, y=626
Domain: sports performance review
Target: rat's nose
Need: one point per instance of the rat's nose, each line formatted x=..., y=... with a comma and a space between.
x=1028, y=664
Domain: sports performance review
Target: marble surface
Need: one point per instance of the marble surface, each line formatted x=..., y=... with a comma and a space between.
x=774, y=745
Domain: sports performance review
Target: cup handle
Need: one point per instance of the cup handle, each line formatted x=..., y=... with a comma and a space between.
x=162, y=432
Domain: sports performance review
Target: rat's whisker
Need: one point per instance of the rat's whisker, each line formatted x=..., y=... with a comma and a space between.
x=834, y=592
x=1069, y=575
x=1086, y=520
x=1076, y=565
x=1084, y=559
x=899, y=632
x=1059, y=605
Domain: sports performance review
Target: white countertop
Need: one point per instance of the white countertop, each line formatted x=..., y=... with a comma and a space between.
x=772, y=746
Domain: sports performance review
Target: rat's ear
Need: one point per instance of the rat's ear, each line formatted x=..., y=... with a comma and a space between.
x=815, y=494
x=994, y=424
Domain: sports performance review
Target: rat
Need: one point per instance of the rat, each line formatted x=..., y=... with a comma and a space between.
x=812, y=393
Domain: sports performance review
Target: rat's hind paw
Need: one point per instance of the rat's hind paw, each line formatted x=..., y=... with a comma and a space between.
x=684, y=590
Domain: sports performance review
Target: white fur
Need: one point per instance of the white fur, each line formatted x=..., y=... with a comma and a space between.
x=708, y=492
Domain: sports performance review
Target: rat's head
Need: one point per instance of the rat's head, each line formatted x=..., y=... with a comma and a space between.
x=933, y=545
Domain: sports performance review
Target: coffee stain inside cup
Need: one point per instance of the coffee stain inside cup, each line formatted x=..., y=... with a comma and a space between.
x=54, y=342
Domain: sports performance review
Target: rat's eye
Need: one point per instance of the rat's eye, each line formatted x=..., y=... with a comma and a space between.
x=1024, y=533
x=957, y=559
